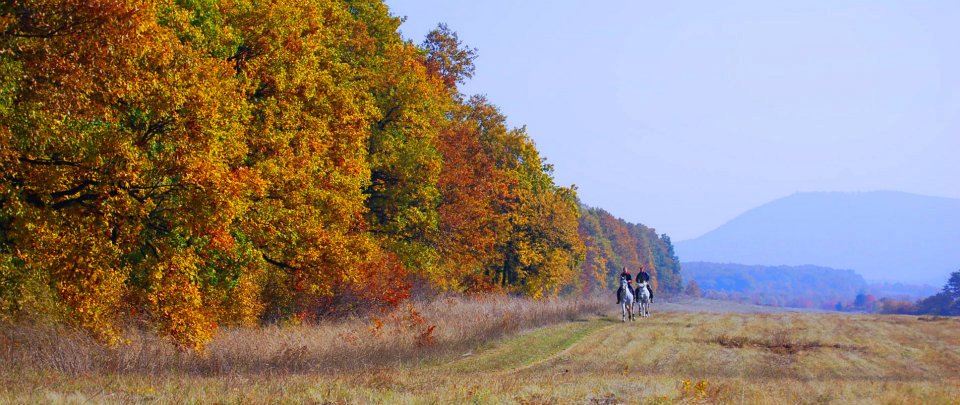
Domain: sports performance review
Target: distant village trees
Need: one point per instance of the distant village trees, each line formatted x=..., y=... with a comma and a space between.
x=693, y=289
x=792, y=286
x=946, y=302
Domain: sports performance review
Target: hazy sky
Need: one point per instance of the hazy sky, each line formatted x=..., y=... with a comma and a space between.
x=682, y=115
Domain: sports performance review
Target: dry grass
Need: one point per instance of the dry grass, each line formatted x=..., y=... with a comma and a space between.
x=406, y=335
x=672, y=357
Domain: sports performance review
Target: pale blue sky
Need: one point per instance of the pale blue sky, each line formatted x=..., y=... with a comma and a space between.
x=682, y=115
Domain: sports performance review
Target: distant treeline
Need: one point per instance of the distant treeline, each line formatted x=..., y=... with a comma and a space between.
x=945, y=303
x=817, y=287
x=194, y=164
x=790, y=286
x=612, y=244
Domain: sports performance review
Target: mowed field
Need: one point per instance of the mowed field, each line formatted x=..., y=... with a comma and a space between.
x=681, y=354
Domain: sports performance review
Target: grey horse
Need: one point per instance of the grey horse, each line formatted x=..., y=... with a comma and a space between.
x=643, y=299
x=626, y=301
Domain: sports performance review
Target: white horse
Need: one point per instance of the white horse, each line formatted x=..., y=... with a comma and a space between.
x=643, y=299
x=626, y=302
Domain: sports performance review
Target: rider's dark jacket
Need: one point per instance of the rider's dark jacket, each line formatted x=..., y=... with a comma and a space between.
x=643, y=276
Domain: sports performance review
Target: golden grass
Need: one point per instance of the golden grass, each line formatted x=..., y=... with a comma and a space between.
x=407, y=335
x=672, y=357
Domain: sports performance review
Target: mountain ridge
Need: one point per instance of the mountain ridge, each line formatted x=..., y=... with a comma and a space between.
x=883, y=235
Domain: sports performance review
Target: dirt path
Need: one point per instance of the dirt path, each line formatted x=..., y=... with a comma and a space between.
x=541, y=345
x=528, y=349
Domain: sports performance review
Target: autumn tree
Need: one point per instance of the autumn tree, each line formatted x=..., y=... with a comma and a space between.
x=541, y=249
x=402, y=195
x=598, y=252
x=471, y=187
x=501, y=214
x=121, y=159
x=311, y=109
x=448, y=57
x=197, y=161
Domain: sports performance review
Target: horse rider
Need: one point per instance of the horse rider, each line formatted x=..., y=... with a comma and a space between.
x=625, y=275
x=644, y=276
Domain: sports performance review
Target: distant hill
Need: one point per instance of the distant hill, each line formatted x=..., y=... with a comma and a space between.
x=884, y=236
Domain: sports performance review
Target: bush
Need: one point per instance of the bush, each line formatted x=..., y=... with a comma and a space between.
x=894, y=306
x=693, y=289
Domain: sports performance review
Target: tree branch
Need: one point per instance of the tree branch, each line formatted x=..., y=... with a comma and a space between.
x=382, y=124
x=73, y=190
x=74, y=201
x=278, y=263
x=49, y=162
x=154, y=129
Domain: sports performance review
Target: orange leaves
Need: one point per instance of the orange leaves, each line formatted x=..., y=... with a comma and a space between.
x=82, y=268
x=388, y=281
x=121, y=150
x=221, y=240
x=503, y=221
x=471, y=187
x=177, y=302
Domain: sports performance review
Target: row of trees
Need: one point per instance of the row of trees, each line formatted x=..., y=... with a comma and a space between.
x=199, y=163
x=612, y=244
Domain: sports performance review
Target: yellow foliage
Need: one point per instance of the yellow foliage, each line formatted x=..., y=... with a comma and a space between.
x=199, y=163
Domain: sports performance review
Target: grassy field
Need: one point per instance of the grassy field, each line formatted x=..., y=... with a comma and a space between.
x=679, y=355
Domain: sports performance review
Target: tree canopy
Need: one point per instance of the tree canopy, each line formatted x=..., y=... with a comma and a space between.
x=196, y=163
